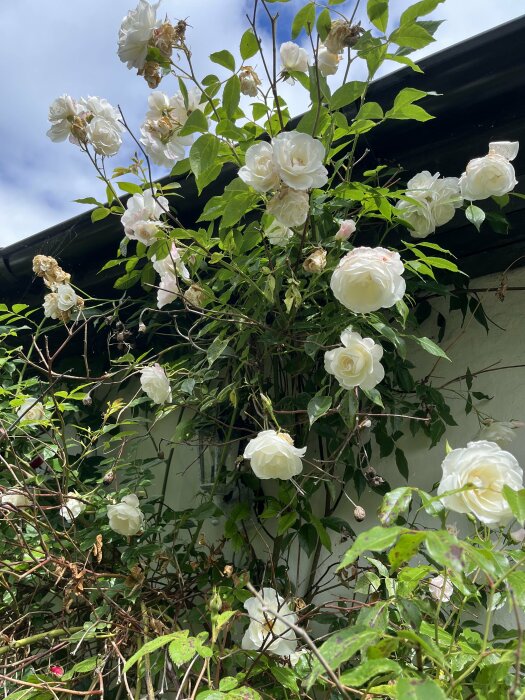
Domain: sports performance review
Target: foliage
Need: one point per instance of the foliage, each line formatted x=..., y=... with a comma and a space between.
x=158, y=608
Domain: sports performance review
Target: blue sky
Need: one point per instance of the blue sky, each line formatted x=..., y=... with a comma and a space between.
x=70, y=46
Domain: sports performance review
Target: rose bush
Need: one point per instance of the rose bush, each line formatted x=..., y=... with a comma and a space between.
x=179, y=456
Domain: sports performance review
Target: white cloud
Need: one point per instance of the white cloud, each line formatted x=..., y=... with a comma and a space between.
x=66, y=46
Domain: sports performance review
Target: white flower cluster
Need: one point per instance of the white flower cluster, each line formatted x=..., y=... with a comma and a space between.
x=296, y=59
x=62, y=300
x=141, y=220
x=164, y=120
x=476, y=475
x=90, y=121
x=292, y=164
x=169, y=269
x=433, y=202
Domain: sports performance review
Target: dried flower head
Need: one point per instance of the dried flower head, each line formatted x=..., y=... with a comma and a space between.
x=47, y=267
x=316, y=261
x=342, y=35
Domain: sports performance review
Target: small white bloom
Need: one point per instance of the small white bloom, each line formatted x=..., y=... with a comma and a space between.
x=169, y=269
x=265, y=631
x=357, y=363
x=278, y=234
x=141, y=220
x=490, y=176
x=501, y=432
x=272, y=455
x=249, y=81
x=104, y=135
x=440, y=589
x=260, y=171
x=164, y=120
x=434, y=202
x=66, y=297
x=289, y=207
x=72, y=508
x=293, y=57
x=368, y=279
x=50, y=305
x=31, y=411
x=299, y=160
x=62, y=111
x=327, y=62
x=125, y=517
x=156, y=384
x=135, y=34
x=487, y=468
x=346, y=229
x=14, y=498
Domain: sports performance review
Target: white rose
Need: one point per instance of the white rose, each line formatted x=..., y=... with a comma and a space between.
x=293, y=57
x=278, y=234
x=501, y=432
x=327, y=62
x=265, y=631
x=368, y=279
x=31, y=411
x=168, y=290
x=135, y=33
x=346, y=229
x=61, y=114
x=72, y=507
x=299, y=159
x=156, y=384
x=357, y=363
x=66, y=297
x=440, y=589
x=490, y=176
x=50, y=305
x=141, y=220
x=169, y=268
x=104, y=135
x=434, y=201
x=260, y=171
x=488, y=468
x=125, y=517
x=272, y=455
x=249, y=81
x=15, y=499
x=289, y=207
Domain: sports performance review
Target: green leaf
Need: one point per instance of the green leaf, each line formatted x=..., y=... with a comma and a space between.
x=418, y=10
x=414, y=689
x=130, y=187
x=347, y=93
x=475, y=215
x=340, y=647
x=285, y=677
x=304, y=19
x=405, y=548
x=286, y=522
x=203, y=160
x=216, y=349
x=182, y=648
x=321, y=532
x=99, y=214
x=377, y=539
x=317, y=407
x=223, y=619
x=405, y=60
x=431, y=347
x=445, y=549
x=394, y=503
x=516, y=501
x=231, y=95
x=367, y=670
x=377, y=11
x=411, y=35
x=244, y=693
x=223, y=58
x=151, y=646
x=196, y=122
x=324, y=23
x=249, y=45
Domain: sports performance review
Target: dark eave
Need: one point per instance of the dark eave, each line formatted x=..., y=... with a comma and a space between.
x=482, y=98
